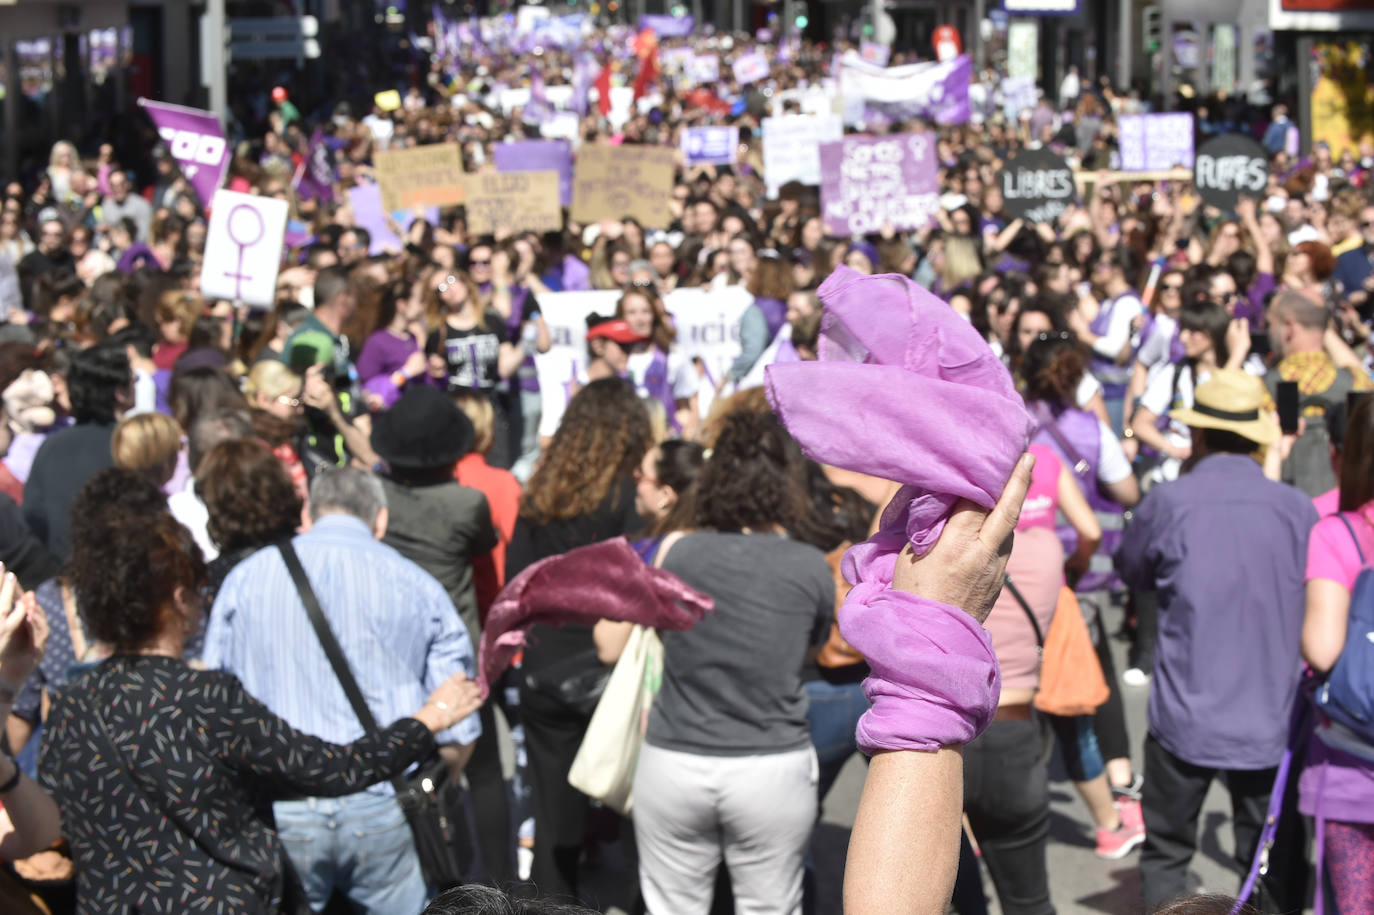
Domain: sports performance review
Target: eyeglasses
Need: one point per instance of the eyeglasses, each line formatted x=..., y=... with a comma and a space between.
x=1046, y=336
x=450, y=280
x=643, y=284
x=289, y=401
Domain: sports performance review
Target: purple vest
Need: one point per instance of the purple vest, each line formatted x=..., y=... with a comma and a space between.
x=1079, y=432
x=1114, y=378
x=774, y=313
x=527, y=376
x=660, y=387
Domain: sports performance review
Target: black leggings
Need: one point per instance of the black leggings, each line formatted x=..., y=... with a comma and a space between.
x=1110, y=719
x=1007, y=800
x=490, y=802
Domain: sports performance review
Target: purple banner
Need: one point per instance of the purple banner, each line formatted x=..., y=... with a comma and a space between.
x=668, y=26
x=538, y=156
x=1154, y=142
x=196, y=141
x=867, y=182
x=935, y=92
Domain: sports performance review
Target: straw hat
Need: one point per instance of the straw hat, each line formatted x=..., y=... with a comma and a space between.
x=1231, y=400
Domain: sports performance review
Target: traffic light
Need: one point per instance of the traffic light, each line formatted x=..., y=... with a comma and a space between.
x=801, y=20
x=1150, y=28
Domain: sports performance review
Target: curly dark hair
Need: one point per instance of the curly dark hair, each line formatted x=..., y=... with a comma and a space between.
x=249, y=495
x=95, y=380
x=603, y=436
x=111, y=492
x=126, y=572
x=754, y=477
x=1051, y=369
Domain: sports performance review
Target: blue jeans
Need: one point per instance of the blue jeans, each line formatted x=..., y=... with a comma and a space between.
x=359, y=844
x=833, y=715
x=1077, y=736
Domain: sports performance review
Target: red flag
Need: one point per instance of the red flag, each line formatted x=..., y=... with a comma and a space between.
x=603, y=91
x=646, y=49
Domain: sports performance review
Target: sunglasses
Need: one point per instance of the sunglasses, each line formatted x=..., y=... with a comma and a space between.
x=1172, y=287
x=485, y=263
x=449, y=281
x=1367, y=225
x=1046, y=336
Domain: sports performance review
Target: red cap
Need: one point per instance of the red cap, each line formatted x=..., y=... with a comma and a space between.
x=615, y=329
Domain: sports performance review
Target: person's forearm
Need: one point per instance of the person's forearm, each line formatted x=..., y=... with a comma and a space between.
x=1143, y=425
x=30, y=821
x=904, y=849
x=355, y=441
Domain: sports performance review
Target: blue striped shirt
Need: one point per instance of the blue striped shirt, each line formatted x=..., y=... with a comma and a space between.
x=396, y=625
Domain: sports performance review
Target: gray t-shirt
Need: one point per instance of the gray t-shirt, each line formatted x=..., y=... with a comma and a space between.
x=732, y=685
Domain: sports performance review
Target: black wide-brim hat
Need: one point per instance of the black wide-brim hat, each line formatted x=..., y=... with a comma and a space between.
x=424, y=429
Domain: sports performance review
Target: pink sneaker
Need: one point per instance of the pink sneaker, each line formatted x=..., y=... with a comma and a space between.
x=1119, y=842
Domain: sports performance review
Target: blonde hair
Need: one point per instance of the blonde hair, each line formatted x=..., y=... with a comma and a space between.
x=479, y=410
x=961, y=261
x=60, y=147
x=272, y=379
x=147, y=443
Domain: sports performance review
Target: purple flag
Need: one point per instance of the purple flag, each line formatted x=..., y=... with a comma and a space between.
x=931, y=91
x=196, y=142
x=440, y=33
x=581, y=84
x=538, y=156
x=538, y=110
x=668, y=26
x=315, y=176
x=867, y=181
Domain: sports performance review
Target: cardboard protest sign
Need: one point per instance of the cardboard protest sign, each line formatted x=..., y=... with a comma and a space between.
x=1227, y=167
x=710, y=145
x=868, y=181
x=539, y=156
x=420, y=176
x=1153, y=142
x=516, y=201
x=613, y=182
x=1037, y=186
x=792, y=148
x=243, y=248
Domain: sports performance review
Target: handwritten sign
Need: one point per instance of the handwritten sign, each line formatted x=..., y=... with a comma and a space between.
x=1037, y=186
x=420, y=176
x=613, y=182
x=539, y=156
x=704, y=69
x=792, y=147
x=710, y=145
x=867, y=182
x=1227, y=167
x=1151, y=142
x=515, y=201
x=243, y=248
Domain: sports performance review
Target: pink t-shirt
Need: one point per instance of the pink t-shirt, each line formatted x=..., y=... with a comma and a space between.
x=1344, y=782
x=1042, y=499
x=1328, y=503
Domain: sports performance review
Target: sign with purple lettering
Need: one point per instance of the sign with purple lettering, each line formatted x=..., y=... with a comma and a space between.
x=243, y=248
x=1155, y=142
x=710, y=145
x=539, y=156
x=868, y=181
x=1037, y=186
x=750, y=68
x=196, y=142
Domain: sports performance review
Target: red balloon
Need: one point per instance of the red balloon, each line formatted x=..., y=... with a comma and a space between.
x=278, y=94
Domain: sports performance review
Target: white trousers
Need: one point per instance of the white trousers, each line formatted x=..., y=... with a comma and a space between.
x=754, y=812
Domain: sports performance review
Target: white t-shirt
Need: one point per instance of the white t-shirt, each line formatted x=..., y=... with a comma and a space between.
x=1126, y=308
x=1161, y=395
x=1154, y=352
x=681, y=373
x=381, y=129
x=1112, y=464
x=1088, y=388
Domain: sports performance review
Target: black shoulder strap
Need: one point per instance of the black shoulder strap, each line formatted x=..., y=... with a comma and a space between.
x=1035, y=624
x=1353, y=539
x=329, y=643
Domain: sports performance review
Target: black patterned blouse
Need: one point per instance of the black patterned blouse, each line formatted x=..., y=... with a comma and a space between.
x=209, y=756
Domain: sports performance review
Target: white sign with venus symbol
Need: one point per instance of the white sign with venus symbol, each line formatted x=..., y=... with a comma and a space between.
x=243, y=250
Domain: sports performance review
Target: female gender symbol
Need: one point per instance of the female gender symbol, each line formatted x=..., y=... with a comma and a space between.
x=243, y=243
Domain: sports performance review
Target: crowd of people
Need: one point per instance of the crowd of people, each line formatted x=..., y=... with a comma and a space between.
x=183, y=478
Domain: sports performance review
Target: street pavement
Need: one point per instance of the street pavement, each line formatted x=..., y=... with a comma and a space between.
x=1080, y=882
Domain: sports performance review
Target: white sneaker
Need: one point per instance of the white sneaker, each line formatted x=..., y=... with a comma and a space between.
x=524, y=861
x=1134, y=676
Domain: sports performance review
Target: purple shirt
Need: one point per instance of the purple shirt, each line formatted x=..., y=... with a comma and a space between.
x=1227, y=550
x=383, y=353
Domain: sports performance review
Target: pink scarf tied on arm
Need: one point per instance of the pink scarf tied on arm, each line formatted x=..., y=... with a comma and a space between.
x=906, y=390
x=606, y=580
